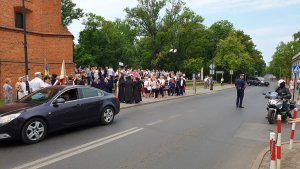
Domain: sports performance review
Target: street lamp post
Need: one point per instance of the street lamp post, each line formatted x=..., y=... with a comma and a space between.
x=173, y=51
x=25, y=44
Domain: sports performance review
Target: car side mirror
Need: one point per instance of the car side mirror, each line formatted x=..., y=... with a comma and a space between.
x=59, y=101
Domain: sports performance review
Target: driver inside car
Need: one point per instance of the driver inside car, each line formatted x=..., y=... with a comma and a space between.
x=66, y=96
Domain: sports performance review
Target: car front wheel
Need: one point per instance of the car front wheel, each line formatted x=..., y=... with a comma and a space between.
x=33, y=131
x=107, y=115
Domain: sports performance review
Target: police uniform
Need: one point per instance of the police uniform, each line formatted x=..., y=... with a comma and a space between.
x=240, y=87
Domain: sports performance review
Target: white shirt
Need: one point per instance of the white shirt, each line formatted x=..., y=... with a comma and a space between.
x=96, y=74
x=162, y=81
x=47, y=85
x=110, y=72
x=146, y=84
x=154, y=84
x=24, y=93
x=36, y=84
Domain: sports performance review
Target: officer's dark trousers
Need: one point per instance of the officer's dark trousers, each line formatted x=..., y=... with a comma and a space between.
x=239, y=98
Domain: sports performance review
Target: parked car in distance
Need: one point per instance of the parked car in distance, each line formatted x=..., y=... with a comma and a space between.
x=257, y=81
x=55, y=108
x=253, y=81
x=262, y=81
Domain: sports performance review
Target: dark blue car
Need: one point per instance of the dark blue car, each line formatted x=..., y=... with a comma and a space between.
x=55, y=108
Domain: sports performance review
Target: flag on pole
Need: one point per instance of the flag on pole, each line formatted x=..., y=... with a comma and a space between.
x=63, y=73
x=47, y=70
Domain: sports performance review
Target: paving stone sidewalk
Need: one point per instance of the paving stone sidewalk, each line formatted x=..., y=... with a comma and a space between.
x=187, y=94
x=290, y=158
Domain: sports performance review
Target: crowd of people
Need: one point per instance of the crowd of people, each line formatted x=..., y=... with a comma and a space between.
x=130, y=85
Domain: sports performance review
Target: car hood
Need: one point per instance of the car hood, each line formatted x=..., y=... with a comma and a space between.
x=15, y=108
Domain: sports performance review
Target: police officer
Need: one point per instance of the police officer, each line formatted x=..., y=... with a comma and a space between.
x=284, y=93
x=240, y=87
x=282, y=90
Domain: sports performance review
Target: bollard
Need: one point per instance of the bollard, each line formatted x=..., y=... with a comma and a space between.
x=278, y=144
x=272, y=151
x=293, y=129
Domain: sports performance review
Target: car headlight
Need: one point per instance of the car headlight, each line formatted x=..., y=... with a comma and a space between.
x=8, y=118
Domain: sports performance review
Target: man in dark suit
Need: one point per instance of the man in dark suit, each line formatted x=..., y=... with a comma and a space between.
x=181, y=85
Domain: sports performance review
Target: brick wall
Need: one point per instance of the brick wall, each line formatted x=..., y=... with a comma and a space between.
x=47, y=40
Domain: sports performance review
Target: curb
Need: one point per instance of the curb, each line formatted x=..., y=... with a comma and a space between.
x=257, y=162
x=175, y=98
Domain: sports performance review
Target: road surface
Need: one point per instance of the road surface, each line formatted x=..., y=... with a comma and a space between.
x=199, y=132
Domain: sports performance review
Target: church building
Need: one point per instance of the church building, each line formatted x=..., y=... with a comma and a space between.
x=48, y=41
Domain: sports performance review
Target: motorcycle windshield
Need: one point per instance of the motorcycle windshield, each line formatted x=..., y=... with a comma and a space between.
x=273, y=95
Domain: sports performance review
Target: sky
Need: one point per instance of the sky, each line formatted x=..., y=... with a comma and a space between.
x=268, y=22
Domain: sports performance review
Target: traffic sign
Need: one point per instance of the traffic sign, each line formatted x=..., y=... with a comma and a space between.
x=212, y=72
x=296, y=69
x=231, y=72
x=219, y=72
x=212, y=66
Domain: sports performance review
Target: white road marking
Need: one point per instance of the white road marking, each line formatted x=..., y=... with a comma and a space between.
x=175, y=116
x=76, y=150
x=155, y=122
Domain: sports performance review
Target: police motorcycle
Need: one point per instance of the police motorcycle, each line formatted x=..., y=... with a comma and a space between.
x=279, y=103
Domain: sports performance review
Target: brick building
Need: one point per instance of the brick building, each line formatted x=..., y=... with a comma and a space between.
x=47, y=40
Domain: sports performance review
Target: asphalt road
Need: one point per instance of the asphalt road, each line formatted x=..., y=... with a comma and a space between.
x=200, y=132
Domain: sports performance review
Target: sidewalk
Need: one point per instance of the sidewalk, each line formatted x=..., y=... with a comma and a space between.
x=290, y=159
x=188, y=93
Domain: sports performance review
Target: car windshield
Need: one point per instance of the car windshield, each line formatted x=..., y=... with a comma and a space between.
x=40, y=96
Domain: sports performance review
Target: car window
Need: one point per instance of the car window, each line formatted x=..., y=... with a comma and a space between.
x=261, y=78
x=69, y=95
x=41, y=96
x=91, y=92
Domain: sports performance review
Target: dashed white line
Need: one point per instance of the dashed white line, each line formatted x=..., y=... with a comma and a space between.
x=76, y=150
x=155, y=122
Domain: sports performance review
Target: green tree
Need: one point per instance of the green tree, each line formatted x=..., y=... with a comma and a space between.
x=280, y=66
x=148, y=39
x=145, y=17
x=106, y=42
x=193, y=65
x=218, y=31
x=259, y=64
x=231, y=54
x=69, y=12
x=183, y=32
x=297, y=36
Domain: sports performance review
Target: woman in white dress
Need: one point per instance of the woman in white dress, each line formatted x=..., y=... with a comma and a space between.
x=21, y=88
